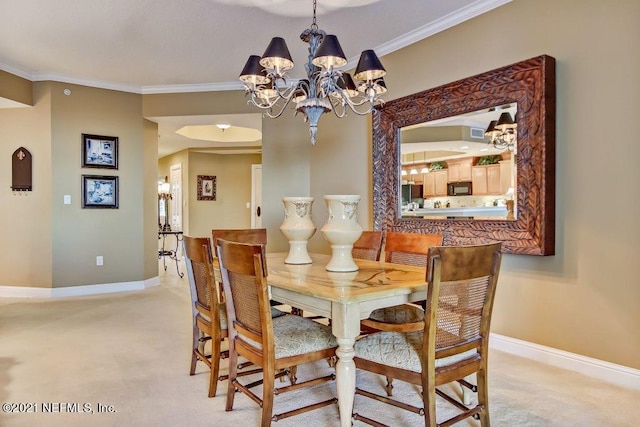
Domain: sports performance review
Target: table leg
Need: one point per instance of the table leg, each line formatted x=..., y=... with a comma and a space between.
x=345, y=323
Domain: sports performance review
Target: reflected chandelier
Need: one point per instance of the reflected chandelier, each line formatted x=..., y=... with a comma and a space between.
x=502, y=132
x=326, y=88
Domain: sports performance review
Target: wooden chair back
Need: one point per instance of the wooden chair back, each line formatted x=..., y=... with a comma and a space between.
x=461, y=284
x=368, y=246
x=241, y=235
x=409, y=248
x=198, y=260
x=248, y=309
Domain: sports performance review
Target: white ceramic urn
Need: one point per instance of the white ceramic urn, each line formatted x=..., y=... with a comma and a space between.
x=341, y=231
x=297, y=228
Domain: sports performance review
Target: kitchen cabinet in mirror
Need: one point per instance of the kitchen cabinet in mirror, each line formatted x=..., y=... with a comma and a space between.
x=519, y=177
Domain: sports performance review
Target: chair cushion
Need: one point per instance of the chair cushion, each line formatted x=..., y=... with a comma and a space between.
x=405, y=313
x=400, y=350
x=295, y=335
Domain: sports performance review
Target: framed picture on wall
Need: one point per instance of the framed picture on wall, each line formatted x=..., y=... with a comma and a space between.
x=99, y=151
x=99, y=192
x=206, y=187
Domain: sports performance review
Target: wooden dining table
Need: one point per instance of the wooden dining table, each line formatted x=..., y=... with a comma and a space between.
x=345, y=298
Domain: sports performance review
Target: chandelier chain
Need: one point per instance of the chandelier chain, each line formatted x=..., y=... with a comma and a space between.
x=313, y=24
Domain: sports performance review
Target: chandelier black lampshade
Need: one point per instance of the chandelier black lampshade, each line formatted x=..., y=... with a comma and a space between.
x=277, y=55
x=505, y=121
x=253, y=72
x=300, y=93
x=329, y=53
x=491, y=128
x=380, y=86
x=345, y=82
x=369, y=66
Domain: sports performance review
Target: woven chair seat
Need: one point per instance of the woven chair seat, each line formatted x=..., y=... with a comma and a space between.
x=400, y=350
x=295, y=335
x=405, y=313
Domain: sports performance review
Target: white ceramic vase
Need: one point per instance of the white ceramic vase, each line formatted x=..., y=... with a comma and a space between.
x=341, y=231
x=297, y=228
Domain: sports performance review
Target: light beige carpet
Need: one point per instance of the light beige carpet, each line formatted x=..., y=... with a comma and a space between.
x=132, y=351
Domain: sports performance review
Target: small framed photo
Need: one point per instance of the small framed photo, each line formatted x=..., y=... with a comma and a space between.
x=206, y=187
x=99, y=192
x=99, y=151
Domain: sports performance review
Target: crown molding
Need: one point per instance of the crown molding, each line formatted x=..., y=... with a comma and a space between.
x=477, y=8
x=122, y=87
x=199, y=87
x=441, y=24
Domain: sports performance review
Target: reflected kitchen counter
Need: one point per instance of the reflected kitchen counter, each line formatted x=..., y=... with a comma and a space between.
x=472, y=211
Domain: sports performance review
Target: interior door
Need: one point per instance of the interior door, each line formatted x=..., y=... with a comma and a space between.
x=256, y=196
x=175, y=178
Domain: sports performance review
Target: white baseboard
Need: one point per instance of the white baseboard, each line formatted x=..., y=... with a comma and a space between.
x=75, y=291
x=609, y=372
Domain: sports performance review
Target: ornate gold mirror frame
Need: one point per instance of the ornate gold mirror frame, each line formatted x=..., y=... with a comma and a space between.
x=529, y=83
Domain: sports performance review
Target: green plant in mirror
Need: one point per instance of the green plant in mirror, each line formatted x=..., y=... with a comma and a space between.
x=488, y=160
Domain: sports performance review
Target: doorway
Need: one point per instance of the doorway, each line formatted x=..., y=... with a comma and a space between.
x=256, y=196
x=175, y=178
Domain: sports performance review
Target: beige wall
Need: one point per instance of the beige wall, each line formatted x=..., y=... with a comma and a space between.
x=285, y=157
x=26, y=236
x=16, y=88
x=79, y=235
x=584, y=299
x=233, y=190
x=150, y=197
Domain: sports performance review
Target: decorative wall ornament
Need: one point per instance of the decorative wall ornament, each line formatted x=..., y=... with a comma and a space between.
x=99, y=192
x=99, y=151
x=21, y=170
x=206, y=187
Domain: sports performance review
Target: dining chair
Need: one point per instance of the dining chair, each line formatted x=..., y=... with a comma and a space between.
x=454, y=343
x=409, y=249
x=243, y=235
x=208, y=314
x=368, y=246
x=275, y=344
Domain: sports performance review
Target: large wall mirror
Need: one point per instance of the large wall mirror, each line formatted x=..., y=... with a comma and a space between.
x=473, y=160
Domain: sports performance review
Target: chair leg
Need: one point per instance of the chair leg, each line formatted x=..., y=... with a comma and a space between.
x=215, y=367
x=267, y=396
x=293, y=370
x=429, y=405
x=389, y=386
x=483, y=397
x=466, y=392
x=196, y=342
x=233, y=373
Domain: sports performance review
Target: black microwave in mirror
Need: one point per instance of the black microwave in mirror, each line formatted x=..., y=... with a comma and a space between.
x=459, y=189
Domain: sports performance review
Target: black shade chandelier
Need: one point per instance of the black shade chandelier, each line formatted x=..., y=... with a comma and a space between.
x=326, y=88
x=502, y=132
